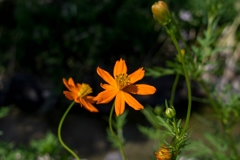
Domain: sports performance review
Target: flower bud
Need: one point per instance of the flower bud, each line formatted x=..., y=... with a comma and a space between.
x=170, y=112
x=180, y=56
x=158, y=110
x=161, y=13
x=183, y=52
x=163, y=153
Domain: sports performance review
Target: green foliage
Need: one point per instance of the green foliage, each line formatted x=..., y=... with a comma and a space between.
x=164, y=128
x=150, y=132
x=7, y=152
x=214, y=145
x=207, y=59
x=228, y=106
x=47, y=148
x=46, y=145
x=153, y=132
x=4, y=111
x=151, y=115
x=157, y=72
x=117, y=124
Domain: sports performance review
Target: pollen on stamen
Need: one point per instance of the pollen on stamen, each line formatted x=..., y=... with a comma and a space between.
x=122, y=80
x=84, y=90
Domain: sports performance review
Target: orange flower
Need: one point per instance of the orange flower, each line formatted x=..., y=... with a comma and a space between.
x=163, y=153
x=121, y=85
x=79, y=93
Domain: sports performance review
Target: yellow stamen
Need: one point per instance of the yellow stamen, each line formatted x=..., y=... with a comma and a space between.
x=84, y=90
x=122, y=80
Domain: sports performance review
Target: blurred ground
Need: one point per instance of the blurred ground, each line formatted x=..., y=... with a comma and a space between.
x=86, y=132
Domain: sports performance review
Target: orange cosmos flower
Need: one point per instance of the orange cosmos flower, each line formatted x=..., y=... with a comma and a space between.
x=79, y=93
x=163, y=153
x=121, y=85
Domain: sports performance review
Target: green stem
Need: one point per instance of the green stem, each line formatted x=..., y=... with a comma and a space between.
x=189, y=98
x=113, y=133
x=200, y=100
x=170, y=32
x=59, y=132
x=176, y=139
x=174, y=89
x=175, y=127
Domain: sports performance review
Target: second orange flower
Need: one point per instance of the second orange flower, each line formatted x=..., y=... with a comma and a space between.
x=121, y=85
x=80, y=94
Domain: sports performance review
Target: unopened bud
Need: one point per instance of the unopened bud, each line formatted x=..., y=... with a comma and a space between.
x=170, y=112
x=158, y=110
x=183, y=52
x=180, y=56
x=161, y=13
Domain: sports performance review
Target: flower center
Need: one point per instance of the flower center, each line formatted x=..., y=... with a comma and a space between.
x=122, y=80
x=84, y=90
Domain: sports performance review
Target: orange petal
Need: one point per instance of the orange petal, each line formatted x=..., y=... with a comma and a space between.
x=120, y=67
x=137, y=75
x=69, y=95
x=132, y=102
x=69, y=84
x=77, y=99
x=106, y=96
x=141, y=89
x=107, y=86
x=119, y=103
x=106, y=76
x=86, y=104
x=90, y=99
x=78, y=86
x=65, y=83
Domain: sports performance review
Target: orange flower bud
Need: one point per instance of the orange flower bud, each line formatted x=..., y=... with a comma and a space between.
x=163, y=153
x=161, y=13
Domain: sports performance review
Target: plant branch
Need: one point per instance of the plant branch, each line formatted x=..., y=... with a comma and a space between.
x=59, y=132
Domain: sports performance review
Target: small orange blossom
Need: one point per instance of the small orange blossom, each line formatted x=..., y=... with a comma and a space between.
x=79, y=93
x=163, y=153
x=121, y=85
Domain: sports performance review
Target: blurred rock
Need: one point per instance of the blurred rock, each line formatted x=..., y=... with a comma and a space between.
x=113, y=156
x=23, y=91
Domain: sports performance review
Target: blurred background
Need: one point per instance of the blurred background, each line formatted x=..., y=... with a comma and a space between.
x=43, y=41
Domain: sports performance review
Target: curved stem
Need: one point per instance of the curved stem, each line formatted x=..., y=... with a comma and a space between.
x=189, y=98
x=187, y=80
x=113, y=133
x=174, y=89
x=59, y=132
